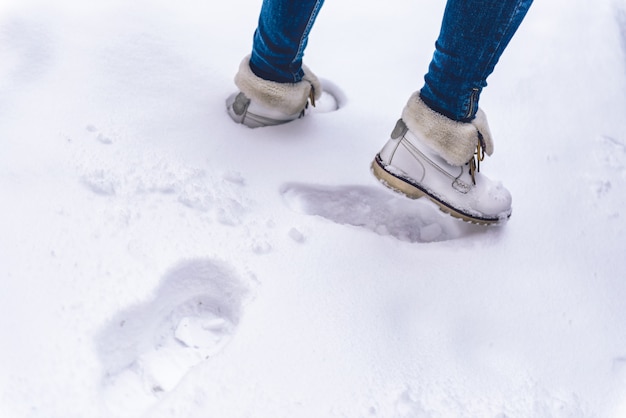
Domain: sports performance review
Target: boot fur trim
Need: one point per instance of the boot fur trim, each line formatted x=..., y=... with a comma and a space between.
x=289, y=98
x=454, y=141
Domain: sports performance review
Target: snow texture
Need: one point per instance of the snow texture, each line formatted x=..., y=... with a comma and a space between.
x=158, y=260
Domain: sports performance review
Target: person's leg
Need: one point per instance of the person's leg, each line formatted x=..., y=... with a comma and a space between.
x=473, y=36
x=274, y=86
x=281, y=37
x=436, y=147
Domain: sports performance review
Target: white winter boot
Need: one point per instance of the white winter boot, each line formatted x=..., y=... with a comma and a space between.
x=434, y=156
x=265, y=103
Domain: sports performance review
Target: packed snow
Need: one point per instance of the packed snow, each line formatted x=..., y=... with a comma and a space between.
x=158, y=260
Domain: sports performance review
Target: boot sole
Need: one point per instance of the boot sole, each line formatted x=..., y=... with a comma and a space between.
x=413, y=190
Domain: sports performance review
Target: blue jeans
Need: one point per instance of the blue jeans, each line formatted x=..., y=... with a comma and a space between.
x=473, y=36
x=281, y=37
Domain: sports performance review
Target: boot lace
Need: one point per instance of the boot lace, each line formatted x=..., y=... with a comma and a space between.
x=310, y=101
x=479, y=155
x=312, y=96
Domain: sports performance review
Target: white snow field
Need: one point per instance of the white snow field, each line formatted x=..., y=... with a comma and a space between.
x=158, y=260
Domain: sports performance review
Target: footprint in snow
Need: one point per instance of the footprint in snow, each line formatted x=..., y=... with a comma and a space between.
x=377, y=210
x=147, y=349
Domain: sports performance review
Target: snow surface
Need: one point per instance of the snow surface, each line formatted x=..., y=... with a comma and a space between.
x=158, y=260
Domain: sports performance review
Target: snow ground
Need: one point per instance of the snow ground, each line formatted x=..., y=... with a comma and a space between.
x=158, y=260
